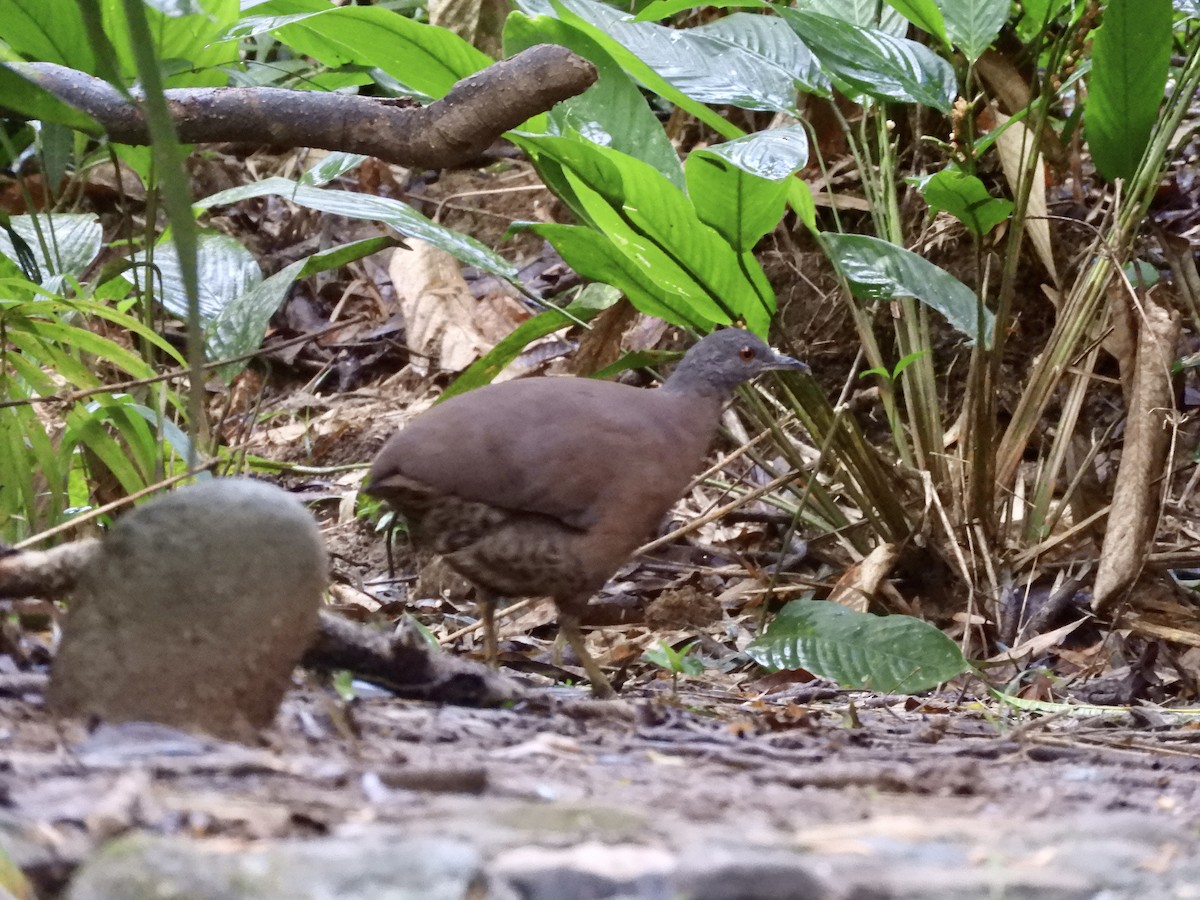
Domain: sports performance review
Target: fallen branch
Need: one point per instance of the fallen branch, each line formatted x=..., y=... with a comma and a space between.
x=409, y=671
x=448, y=132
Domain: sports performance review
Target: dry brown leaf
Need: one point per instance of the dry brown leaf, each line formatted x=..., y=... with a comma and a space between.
x=1013, y=146
x=1121, y=338
x=1159, y=614
x=1135, y=503
x=859, y=584
x=1006, y=83
x=601, y=346
x=446, y=327
x=1038, y=644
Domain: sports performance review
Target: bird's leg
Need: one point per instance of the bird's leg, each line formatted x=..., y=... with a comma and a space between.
x=568, y=625
x=487, y=606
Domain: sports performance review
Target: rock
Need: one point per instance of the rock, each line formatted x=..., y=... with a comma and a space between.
x=378, y=866
x=196, y=611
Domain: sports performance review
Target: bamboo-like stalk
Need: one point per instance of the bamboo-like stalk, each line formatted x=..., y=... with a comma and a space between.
x=1085, y=306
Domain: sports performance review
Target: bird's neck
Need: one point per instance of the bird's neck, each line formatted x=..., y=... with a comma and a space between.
x=686, y=382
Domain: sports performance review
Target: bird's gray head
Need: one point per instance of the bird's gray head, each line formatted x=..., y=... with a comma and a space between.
x=723, y=360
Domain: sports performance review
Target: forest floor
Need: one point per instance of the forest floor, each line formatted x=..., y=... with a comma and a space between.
x=811, y=793
x=733, y=786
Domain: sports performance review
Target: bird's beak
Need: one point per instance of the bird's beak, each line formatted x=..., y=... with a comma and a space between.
x=789, y=363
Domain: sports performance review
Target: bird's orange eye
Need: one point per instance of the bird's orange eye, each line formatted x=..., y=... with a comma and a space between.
x=746, y=353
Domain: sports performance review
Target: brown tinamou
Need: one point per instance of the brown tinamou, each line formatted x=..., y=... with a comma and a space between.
x=545, y=486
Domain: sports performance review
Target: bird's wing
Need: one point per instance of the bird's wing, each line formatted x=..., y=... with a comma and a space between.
x=532, y=446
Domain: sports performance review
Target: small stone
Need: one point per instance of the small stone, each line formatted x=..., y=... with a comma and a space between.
x=373, y=866
x=196, y=611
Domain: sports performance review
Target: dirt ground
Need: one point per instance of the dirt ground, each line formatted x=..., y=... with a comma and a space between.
x=867, y=796
x=735, y=786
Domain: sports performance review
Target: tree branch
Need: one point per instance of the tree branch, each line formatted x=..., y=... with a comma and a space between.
x=446, y=133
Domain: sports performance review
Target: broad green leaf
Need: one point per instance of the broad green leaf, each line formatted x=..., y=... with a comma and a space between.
x=974, y=24
x=925, y=15
x=47, y=31
x=186, y=40
x=353, y=205
x=62, y=243
x=634, y=65
x=613, y=112
x=741, y=207
x=876, y=269
x=225, y=271
x=593, y=300
x=888, y=654
x=332, y=167
x=25, y=97
x=875, y=63
x=426, y=59
x=596, y=257
x=663, y=9
x=964, y=197
x=1037, y=15
x=1130, y=56
x=658, y=230
x=241, y=324
x=774, y=154
x=743, y=60
x=740, y=187
x=680, y=661
x=863, y=13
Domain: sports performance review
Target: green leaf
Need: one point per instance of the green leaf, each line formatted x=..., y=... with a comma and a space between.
x=187, y=40
x=240, y=325
x=974, y=24
x=596, y=256
x=1130, y=56
x=739, y=206
x=907, y=360
x=875, y=63
x=613, y=111
x=655, y=227
x=48, y=31
x=591, y=302
x=888, y=654
x=740, y=187
x=800, y=199
x=743, y=60
x=680, y=661
x=877, y=269
x=353, y=205
x=925, y=15
x=24, y=96
x=664, y=9
x=62, y=243
x=332, y=167
x=225, y=271
x=30, y=468
x=426, y=59
x=774, y=154
x=88, y=429
x=864, y=13
x=81, y=339
x=964, y=197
